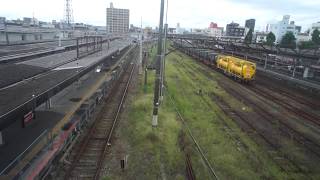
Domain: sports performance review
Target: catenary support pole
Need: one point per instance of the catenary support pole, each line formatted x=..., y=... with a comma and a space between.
x=164, y=54
x=6, y=33
x=140, y=52
x=158, y=64
x=1, y=139
x=265, y=62
x=48, y=104
x=163, y=60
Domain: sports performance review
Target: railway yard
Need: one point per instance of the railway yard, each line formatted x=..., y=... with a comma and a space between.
x=215, y=127
x=226, y=91
x=211, y=126
x=283, y=120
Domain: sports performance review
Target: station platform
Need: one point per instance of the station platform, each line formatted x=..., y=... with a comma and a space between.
x=13, y=96
x=64, y=105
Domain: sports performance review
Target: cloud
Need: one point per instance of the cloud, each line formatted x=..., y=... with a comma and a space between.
x=189, y=13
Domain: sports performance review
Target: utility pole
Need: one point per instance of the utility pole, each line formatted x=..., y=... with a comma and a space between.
x=158, y=66
x=140, y=54
x=6, y=32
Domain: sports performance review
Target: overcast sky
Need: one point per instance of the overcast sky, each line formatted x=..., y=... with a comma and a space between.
x=189, y=13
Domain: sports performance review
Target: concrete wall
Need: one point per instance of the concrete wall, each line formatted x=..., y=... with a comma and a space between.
x=48, y=35
x=16, y=37
x=2, y=37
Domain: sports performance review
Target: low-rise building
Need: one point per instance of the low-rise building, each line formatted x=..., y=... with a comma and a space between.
x=261, y=37
x=303, y=37
x=214, y=30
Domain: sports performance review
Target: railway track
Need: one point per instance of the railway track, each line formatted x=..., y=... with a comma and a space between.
x=87, y=160
x=189, y=170
x=310, y=145
x=302, y=100
x=313, y=118
x=245, y=124
x=284, y=127
x=280, y=158
x=290, y=108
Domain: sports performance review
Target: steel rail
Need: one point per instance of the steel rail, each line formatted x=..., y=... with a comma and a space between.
x=119, y=108
x=203, y=156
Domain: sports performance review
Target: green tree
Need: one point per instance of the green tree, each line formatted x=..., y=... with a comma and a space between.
x=316, y=36
x=288, y=40
x=248, y=38
x=306, y=45
x=271, y=38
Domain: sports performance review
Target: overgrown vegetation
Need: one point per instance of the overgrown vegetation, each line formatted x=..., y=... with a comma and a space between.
x=156, y=153
x=288, y=40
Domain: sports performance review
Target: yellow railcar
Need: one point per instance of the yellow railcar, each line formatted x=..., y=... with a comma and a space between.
x=236, y=67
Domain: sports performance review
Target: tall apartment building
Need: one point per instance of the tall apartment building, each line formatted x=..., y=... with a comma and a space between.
x=250, y=23
x=117, y=20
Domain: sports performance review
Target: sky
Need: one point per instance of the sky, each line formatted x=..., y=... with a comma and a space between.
x=189, y=13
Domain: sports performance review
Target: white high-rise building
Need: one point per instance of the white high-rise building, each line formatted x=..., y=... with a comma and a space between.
x=282, y=27
x=117, y=20
x=179, y=30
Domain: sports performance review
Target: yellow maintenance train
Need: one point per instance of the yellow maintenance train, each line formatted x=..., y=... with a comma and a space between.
x=239, y=69
x=236, y=67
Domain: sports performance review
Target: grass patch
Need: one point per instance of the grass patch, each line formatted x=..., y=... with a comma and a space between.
x=155, y=153
x=203, y=116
